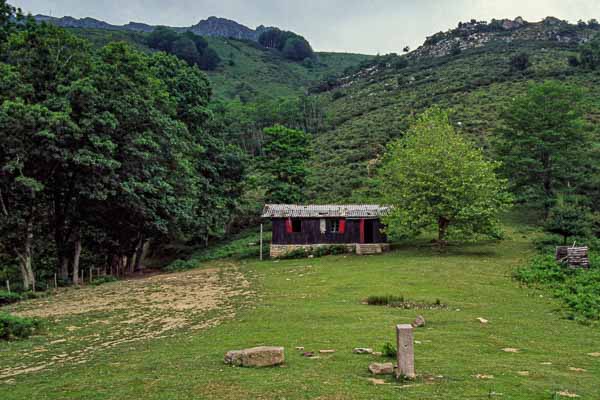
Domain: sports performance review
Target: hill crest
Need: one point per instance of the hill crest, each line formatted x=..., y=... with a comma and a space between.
x=473, y=34
x=212, y=26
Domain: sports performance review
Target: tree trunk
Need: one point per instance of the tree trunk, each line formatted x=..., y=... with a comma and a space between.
x=139, y=253
x=76, y=257
x=64, y=268
x=129, y=263
x=442, y=230
x=25, y=258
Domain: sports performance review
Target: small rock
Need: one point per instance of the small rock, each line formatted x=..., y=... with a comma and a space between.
x=377, y=353
x=482, y=320
x=362, y=350
x=510, y=350
x=418, y=322
x=326, y=351
x=566, y=393
x=381, y=368
x=263, y=356
x=376, y=381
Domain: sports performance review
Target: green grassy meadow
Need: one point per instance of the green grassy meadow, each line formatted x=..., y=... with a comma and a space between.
x=317, y=304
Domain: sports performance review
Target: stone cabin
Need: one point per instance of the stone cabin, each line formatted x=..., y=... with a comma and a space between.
x=358, y=227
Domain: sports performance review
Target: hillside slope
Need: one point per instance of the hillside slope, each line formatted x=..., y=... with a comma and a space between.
x=467, y=70
x=247, y=70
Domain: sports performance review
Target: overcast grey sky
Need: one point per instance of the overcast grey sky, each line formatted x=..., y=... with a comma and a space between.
x=362, y=26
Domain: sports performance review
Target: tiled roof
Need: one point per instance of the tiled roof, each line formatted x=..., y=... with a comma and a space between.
x=324, y=211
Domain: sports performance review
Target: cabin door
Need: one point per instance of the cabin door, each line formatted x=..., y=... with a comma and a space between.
x=369, y=231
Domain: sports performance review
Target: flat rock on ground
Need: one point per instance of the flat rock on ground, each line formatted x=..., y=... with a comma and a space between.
x=362, y=350
x=418, y=322
x=381, y=368
x=263, y=356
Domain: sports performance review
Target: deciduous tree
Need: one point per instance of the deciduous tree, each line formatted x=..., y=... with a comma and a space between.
x=544, y=144
x=434, y=177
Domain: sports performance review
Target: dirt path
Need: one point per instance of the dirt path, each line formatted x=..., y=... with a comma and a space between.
x=89, y=320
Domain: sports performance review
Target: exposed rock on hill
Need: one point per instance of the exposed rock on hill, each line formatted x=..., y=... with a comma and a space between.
x=473, y=34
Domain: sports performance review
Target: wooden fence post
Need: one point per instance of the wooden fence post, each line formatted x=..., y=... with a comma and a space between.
x=8, y=286
x=261, y=242
x=91, y=276
x=406, y=354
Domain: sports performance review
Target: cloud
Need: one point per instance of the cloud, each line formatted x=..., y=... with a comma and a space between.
x=366, y=26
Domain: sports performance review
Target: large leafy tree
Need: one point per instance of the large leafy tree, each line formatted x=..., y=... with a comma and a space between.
x=103, y=150
x=434, y=177
x=544, y=144
x=285, y=164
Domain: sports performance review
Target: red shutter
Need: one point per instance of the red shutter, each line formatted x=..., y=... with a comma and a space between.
x=342, y=225
x=288, y=225
x=362, y=230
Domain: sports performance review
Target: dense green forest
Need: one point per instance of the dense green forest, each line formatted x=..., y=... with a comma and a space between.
x=116, y=141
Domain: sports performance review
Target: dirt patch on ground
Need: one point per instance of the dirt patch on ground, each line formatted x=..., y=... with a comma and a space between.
x=96, y=318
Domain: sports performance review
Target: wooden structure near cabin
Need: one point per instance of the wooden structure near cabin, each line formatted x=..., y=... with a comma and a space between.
x=358, y=227
x=574, y=257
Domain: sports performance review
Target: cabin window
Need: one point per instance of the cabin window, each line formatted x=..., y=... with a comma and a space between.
x=334, y=226
x=296, y=225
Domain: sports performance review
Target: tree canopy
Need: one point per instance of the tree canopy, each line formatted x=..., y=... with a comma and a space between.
x=285, y=164
x=544, y=144
x=103, y=151
x=292, y=45
x=188, y=46
x=433, y=177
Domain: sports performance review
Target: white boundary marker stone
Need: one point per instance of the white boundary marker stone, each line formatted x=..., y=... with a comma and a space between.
x=406, y=353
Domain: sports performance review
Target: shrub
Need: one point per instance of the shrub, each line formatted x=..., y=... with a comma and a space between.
x=519, y=62
x=104, y=279
x=384, y=300
x=389, y=350
x=401, y=302
x=319, y=251
x=579, y=289
x=14, y=327
x=337, y=95
x=181, y=265
x=8, y=298
x=547, y=244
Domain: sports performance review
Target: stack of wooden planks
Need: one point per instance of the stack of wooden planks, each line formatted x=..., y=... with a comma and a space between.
x=574, y=257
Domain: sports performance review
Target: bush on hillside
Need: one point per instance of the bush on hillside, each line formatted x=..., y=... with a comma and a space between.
x=520, y=62
x=8, y=298
x=14, y=327
x=579, y=289
x=104, y=279
x=13, y=297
